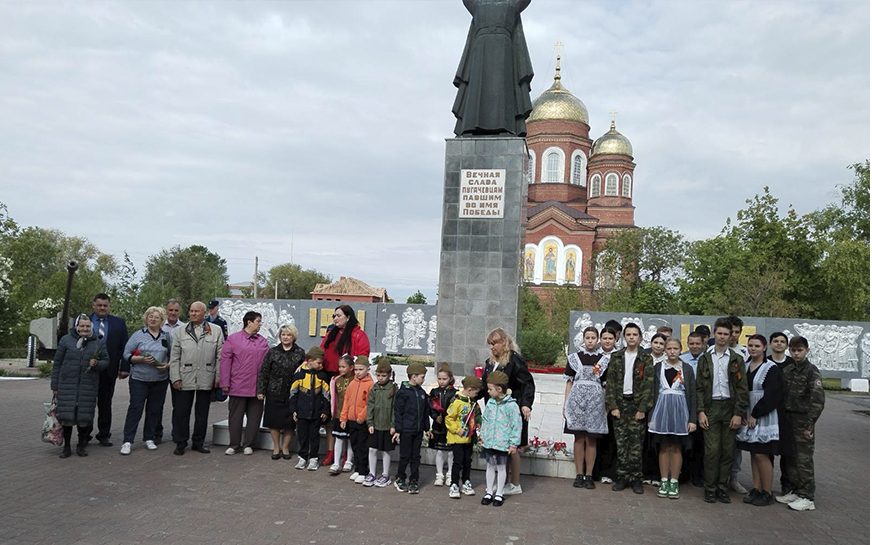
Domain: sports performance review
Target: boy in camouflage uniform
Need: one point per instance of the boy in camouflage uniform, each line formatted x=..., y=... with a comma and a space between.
x=722, y=394
x=803, y=404
x=629, y=396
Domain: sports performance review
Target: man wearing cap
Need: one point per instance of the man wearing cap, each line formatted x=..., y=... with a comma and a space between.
x=194, y=360
x=215, y=318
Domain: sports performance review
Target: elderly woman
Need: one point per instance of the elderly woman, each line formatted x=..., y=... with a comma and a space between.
x=241, y=359
x=505, y=358
x=147, y=359
x=274, y=383
x=75, y=377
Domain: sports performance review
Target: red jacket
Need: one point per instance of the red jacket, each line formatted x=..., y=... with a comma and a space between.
x=359, y=347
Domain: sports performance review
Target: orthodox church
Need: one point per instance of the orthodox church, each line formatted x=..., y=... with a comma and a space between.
x=580, y=191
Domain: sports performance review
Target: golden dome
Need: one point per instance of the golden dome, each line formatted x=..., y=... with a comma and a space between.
x=612, y=143
x=557, y=103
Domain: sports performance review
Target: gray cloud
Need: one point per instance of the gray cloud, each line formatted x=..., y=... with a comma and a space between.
x=235, y=124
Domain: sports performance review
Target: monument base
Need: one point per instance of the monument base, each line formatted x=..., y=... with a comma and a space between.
x=483, y=220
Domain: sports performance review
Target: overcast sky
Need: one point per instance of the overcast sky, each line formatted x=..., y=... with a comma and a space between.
x=143, y=125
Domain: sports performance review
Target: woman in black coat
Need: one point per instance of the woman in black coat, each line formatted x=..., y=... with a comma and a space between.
x=274, y=383
x=505, y=358
x=75, y=377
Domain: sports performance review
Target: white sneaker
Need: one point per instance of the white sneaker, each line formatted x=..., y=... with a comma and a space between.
x=448, y=480
x=348, y=467
x=335, y=469
x=606, y=480
x=737, y=487
x=150, y=445
x=301, y=463
x=313, y=464
x=230, y=451
x=787, y=498
x=440, y=480
x=802, y=504
x=354, y=476
x=125, y=449
x=454, y=491
x=360, y=479
x=512, y=490
x=248, y=450
x=467, y=489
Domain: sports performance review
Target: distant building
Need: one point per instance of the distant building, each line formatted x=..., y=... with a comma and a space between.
x=580, y=191
x=349, y=289
x=236, y=289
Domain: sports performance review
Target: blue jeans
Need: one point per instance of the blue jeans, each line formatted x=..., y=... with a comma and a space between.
x=149, y=396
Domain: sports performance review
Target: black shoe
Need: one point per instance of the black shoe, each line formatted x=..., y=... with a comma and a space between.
x=287, y=456
x=620, y=484
x=276, y=456
x=763, y=499
x=105, y=443
x=498, y=501
x=201, y=448
x=751, y=496
x=487, y=499
x=637, y=486
x=180, y=449
x=577, y=483
x=158, y=440
x=413, y=487
x=400, y=484
x=66, y=453
x=81, y=450
x=708, y=497
x=588, y=482
x=722, y=496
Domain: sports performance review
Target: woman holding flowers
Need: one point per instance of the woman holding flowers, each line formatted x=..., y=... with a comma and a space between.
x=147, y=356
x=75, y=377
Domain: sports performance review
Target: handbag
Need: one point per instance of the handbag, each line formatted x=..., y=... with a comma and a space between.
x=52, y=431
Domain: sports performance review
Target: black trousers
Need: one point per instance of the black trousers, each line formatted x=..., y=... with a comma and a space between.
x=359, y=435
x=68, y=434
x=462, y=462
x=105, y=393
x=307, y=435
x=410, y=454
x=147, y=396
x=183, y=401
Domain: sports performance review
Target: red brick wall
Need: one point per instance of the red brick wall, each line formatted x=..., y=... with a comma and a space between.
x=538, y=193
x=342, y=298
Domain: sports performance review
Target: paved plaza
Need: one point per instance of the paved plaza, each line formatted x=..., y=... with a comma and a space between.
x=156, y=497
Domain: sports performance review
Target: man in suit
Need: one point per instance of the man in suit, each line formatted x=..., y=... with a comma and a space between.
x=112, y=330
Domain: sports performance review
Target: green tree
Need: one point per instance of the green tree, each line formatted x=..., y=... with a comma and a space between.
x=187, y=274
x=293, y=281
x=126, y=296
x=417, y=299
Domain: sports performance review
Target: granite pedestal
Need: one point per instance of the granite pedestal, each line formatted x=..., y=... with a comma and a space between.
x=480, y=270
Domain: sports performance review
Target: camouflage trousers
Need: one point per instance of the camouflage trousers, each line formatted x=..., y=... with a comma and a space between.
x=720, y=442
x=800, y=466
x=629, y=437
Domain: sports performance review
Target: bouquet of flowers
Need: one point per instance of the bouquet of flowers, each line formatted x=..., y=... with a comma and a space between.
x=549, y=447
x=146, y=355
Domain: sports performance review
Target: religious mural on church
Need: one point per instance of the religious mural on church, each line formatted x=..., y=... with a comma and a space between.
x=549, y=269
x=529, y=264
x=571, y=260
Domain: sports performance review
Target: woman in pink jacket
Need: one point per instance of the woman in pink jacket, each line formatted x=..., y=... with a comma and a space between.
x=241, y=358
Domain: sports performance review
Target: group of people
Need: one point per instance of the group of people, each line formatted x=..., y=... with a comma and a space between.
x=697, y=409
x=637, y=415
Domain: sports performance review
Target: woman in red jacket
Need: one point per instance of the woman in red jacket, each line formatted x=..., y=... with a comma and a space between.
x=345, y=336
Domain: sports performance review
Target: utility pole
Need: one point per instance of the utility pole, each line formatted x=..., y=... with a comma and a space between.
x=255, y=277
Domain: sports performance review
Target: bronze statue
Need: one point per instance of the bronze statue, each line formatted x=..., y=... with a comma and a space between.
x=493, y=79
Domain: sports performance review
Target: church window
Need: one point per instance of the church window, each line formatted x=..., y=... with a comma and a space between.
x=595, y=182
x=552, y=174
x=612, y=185
x=627, y=187
x=579, y=168
x=531, y=168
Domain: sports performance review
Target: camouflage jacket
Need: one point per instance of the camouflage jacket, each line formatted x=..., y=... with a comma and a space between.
x=803, y=394
x=738, y=380
x=643, y=381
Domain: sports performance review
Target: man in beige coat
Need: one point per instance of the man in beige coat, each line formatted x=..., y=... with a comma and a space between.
x=194, y=357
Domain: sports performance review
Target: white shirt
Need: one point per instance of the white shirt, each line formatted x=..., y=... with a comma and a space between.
x=721, y=385
x=629, y=360
x=167, y=328
x=742, y=351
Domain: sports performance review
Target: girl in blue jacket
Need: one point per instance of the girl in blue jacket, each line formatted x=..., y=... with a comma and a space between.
x=500, y=434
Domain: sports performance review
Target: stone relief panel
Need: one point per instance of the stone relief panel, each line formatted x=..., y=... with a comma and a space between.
x=832, y=347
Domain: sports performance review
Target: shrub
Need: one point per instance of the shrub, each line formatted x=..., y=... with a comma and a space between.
x=44, y=368
x=540, y=346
